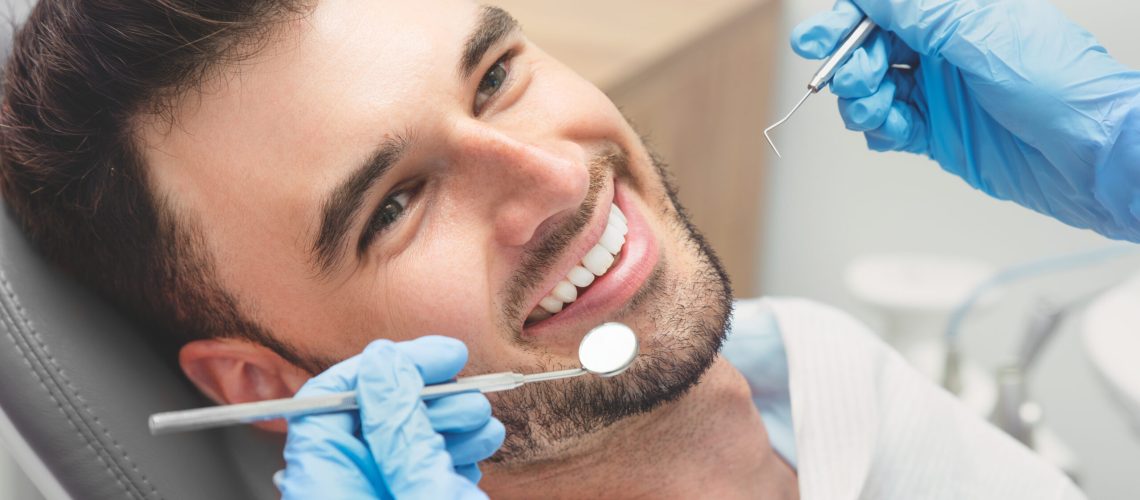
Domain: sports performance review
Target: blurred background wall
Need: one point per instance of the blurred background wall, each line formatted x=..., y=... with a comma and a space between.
x=830, y=200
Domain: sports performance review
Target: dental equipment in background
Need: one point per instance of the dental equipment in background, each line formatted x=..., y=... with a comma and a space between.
x=1015, y=411
x=605, y=351
x=951, y=374
x=827, y=71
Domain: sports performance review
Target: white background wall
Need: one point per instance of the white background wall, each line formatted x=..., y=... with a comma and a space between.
x=830, y=200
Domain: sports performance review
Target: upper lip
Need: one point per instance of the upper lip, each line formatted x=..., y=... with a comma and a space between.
x=575, y=251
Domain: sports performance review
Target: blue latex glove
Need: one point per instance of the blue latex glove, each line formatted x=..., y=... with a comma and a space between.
x=396, y=446
x=1007, y=94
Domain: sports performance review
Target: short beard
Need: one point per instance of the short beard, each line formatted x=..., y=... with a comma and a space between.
x=690, y=316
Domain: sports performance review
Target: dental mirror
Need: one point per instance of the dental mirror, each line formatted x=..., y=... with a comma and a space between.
x=605, y=351
x=608, y=350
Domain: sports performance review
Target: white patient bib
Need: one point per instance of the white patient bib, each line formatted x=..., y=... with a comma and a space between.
x=868, y=426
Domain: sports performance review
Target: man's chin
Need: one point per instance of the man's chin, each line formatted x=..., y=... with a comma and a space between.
x=688, y=313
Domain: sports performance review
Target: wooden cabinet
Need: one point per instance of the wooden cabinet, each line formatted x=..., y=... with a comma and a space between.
x=692, y=76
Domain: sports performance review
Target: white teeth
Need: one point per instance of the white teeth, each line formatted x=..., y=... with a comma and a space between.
x=616, y=212
x=623, y=230
x=596, y=262
x=618, y=222
x=612, y=239
x=580, y=277
x=551, y=304
x=565, y=292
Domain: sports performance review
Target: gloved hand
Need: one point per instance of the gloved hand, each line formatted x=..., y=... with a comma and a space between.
x=1007, y=94
x=396, y=446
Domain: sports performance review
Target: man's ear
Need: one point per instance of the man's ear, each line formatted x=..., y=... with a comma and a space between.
x=231, y=371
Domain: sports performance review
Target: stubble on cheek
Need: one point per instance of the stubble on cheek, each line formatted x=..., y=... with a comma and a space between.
x=686, y=303
x=539, y=260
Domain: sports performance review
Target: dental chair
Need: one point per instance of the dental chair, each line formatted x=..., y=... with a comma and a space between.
x=77, y=383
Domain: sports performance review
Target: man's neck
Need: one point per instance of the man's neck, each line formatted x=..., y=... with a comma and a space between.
x=709, y=444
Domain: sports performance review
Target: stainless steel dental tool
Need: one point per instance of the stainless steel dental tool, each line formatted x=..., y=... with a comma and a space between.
x=605, y=351
x=823, y=76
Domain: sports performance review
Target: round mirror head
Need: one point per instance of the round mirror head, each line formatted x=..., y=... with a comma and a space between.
x=608, y=349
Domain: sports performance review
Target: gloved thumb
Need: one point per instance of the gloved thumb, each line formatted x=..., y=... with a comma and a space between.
x=1020, y=57
x=438, y=359
x=414, y=462
x=924, y=26
x=818, y=37
x=958, y=30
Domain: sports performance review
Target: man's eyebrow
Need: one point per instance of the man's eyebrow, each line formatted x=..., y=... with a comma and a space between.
x=494, y=25
x=344, y=203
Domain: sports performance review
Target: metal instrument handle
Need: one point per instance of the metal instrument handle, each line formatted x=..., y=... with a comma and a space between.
x=853, y=41
x=244, y=413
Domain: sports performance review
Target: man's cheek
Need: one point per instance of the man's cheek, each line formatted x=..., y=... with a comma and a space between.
x=440, y=295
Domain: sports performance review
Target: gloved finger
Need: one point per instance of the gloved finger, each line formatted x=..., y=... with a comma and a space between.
x=862, y=74
x=412, y=458
x=459, y=412
x=340, y=378
x=928, y=25
x=439, y=359
x=818, y=37
x=319, y=453
x=904, y=84
x=324, y=447
x=475, y=446
x=470, y=471
x=870, y=112
x=903, y=130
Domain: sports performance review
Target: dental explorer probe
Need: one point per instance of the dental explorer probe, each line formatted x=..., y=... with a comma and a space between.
x=605, y=351
x=827, y=71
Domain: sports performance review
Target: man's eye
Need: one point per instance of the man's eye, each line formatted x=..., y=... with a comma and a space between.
x=389, y=212
x=492, y=81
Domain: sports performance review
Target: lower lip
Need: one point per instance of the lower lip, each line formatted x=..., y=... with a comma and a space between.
x=610, y=292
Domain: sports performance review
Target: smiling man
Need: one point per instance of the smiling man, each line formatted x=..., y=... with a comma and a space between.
x=446, y=178
x=278, y=184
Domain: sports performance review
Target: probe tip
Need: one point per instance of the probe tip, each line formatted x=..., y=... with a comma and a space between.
x=771, y=142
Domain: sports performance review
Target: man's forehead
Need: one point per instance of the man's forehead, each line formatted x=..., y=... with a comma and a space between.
x=345, y=62
x=343, y=43
x=338, y=46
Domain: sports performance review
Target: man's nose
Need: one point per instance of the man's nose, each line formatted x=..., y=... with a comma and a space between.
x=523, y=184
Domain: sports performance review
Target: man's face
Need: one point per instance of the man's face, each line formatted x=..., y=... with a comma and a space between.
x=402, y=168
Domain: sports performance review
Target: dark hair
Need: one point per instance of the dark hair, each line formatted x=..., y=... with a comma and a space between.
x=80, y=74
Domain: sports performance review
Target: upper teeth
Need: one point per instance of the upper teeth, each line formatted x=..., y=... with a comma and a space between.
x=596, y=262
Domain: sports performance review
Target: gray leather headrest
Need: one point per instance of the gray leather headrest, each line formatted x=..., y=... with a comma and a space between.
x=78, y=381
